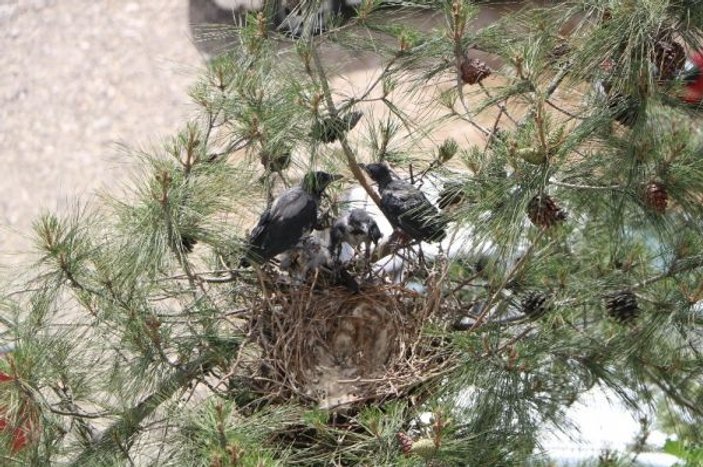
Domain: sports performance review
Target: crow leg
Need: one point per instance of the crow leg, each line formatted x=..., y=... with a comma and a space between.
x=367, y=259
x=421, y=255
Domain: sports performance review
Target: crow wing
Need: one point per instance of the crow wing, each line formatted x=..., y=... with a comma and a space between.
x=409, y=209
x=280, y=227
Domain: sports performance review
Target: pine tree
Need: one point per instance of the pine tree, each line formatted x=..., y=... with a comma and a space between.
x=139, y=340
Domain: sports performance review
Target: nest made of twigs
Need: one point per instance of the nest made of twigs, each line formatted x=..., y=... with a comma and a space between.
x=334, y=347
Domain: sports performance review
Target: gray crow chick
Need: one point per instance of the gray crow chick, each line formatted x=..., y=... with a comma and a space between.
x=406, y=207
x=354, y=227
x=310, y=254
x=290, y=216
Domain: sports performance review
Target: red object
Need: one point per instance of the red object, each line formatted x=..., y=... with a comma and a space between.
x=19, y=433
x=693, y=91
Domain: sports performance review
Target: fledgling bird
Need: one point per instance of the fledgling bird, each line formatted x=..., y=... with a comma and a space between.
x=354, y=227
x=290, y=216
x=310, y=254
x=406, y=207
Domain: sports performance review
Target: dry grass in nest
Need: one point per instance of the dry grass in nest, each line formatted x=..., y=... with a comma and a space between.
x=335, y=348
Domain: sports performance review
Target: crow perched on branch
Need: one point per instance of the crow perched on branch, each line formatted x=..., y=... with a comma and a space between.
x=290, y=216
x=406, y=207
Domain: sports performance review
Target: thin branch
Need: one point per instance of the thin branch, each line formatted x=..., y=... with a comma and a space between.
x=505, y=281
x=672, y=392
x=586, y=187
x=130, y=420
x=679, y=266
x=348, y=152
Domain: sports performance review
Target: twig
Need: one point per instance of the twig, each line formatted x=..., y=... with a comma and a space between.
x=348, y=152
x=501, y=106
x=508, y=343
x=672, y=392
x=564, y=111
x=505, y=281
x=130, y=420
x=586, y=187
x=681, y=265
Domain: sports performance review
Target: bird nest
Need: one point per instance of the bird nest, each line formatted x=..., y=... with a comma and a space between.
x=333, y=347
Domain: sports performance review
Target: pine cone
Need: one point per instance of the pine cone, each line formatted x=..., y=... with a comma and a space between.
x=452, y=194
x=656, y=197
x=622, y=306
x=406, y=442
x=331, y=129
x=544, y=212
x=188, y=241
x=559, y=50
x=276, y=162
x=625, y=109
x=424, y=447
x=474, y=71
x=534, y=304
x=669, y=58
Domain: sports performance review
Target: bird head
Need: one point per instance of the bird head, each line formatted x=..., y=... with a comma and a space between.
x=379, y=173
x=316, y=182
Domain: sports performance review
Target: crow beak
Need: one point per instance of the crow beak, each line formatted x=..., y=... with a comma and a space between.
x=336, y=177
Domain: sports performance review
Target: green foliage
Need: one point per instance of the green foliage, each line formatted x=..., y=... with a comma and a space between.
x=140, y=340
x=692, y=455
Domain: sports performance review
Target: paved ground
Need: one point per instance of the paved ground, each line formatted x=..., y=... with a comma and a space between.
x=76, y=77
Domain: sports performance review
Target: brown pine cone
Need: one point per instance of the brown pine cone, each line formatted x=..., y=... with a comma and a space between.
x=656, y=197
x=474, y=71
x=669, y=58
x=559, y=50
x=406, y=442
x=544, y=212
x=622, y=306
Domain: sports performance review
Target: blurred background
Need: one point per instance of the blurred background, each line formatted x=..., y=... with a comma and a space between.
x=77, y=78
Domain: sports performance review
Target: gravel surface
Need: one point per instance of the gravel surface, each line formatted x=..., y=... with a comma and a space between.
x=79, y=76
x=76, y=77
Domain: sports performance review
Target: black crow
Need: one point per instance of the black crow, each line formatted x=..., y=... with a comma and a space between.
x=354, y=227
x=290, y=216
x=406, y=207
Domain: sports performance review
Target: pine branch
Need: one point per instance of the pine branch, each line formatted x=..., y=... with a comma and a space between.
x=352, y=162
x=680, y=265
x=129, y=424
x=663, y=382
